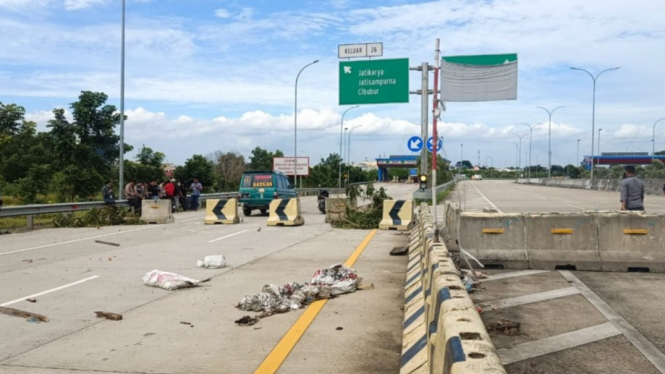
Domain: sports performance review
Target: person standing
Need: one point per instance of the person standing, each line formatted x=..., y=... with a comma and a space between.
x=196, y=188
x=153, y=190
x=632, y=191
x=107, y=193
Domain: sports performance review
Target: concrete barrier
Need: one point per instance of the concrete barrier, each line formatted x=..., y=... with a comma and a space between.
x=495, y=238
x=443, y=332
x=156, y=211
x=631, y=241
x=397, y=215
x=285, y=212
x=562, y=241
x=652, y=186
x=223, y=211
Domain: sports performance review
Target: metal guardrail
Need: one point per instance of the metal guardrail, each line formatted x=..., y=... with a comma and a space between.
x=38, y=209
x=444, y=186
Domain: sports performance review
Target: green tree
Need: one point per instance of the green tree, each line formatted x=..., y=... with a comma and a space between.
x=11, y=118
x=228, y=170
x=261, y=159
x=148, y=166
x=85, y=150
x=197, y=167
x=36, y=183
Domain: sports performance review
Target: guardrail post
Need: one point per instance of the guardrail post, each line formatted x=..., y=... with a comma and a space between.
x=29, y=222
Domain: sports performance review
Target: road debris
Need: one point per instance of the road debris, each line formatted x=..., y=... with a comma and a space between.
x=212, y=262
x=365, y=287
x=168, y=281
x=107, y=243
x=505, y=327
x=110, y=316
x=248, y=321
x=23, y=314
x=399, y=251
x=28, y=261
x=339, y=328
x=325, y=284
x=259, y=228
x=30, y=299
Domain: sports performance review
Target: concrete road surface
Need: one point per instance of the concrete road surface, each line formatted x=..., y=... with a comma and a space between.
x=71, y=277
x=510, y=197
x=571, y=322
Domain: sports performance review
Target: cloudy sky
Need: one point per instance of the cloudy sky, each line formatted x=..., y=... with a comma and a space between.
x=207, y=75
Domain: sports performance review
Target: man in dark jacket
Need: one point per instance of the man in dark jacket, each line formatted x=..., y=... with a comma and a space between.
x=107, y=193
x=632, y=191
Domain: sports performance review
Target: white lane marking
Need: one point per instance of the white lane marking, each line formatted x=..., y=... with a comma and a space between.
x=541, y=198
x=486, y=199
x=228, y=236
x=513, y=274
x=84, y=239
x=532, y=298
x=649, y=351
x=557, y=343
x=577, y=206
x=49, y=291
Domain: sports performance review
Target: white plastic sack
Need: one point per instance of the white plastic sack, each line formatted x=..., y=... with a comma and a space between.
x=212, y=262
x=339, y=278
x=168, y=281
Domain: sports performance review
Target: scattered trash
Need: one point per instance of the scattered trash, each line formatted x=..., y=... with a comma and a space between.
x=212, y=262
x=325, y=283
x=30, y=299
x=364, y=287
x=399, y=251
x=28, y=261
x=23, y=314
x=259, y=228
x=258, y=328
x=33, y=320
x=339, y=328
x=474, y=274
x=107, y=243
x=168, y=281
x=248, y=321
x=110, y=316
x=185, y=323
x=505, y=327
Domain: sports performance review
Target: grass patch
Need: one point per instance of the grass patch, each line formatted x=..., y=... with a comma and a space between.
x=440, y=197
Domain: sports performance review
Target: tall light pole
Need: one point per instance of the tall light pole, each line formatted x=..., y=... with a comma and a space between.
x=461, y=161
x=121, y=166
x=348, y=148
x=653, y=141
x=519, y=160
x=599, y=130
x=549, y=146
x=593, y=108
x=531, y=127
x=341, y=141
x=295, y=128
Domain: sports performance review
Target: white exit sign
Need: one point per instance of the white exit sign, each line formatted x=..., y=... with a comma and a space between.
x=360, y=50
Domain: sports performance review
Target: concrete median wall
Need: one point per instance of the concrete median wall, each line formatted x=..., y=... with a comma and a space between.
x=652, y=186
x=598, y=241
x=443, y=332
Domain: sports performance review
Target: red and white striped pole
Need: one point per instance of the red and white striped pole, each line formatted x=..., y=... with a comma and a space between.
x=435, y=133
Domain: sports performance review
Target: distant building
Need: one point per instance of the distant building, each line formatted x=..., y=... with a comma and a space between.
x=366, y=165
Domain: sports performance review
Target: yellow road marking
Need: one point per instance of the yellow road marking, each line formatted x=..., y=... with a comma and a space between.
x=281, y=351
x=635, y=232
x=492, y=231
x=561, y=231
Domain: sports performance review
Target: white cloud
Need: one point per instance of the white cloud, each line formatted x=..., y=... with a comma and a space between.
x=222, y=13
x=632, y=132
x=81, y=4
x=245, y=14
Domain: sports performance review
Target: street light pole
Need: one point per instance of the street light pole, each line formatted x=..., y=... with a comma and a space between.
x=593, y=108
x=531, y=127
x=341, y=141
x=461, y=161
x=549, y=146
x=348, y=148
x=653, y=141
x=519, y=161
x=121, y=166
x=599, y=130
x=295, y=128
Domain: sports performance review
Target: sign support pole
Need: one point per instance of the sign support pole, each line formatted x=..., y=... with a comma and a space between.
x=435, y=136
x=423, y=117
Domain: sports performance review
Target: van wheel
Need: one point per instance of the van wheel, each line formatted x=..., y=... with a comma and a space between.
x=264, y=211
x=247, y=212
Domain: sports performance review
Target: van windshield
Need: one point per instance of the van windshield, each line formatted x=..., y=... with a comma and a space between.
x=257, y=181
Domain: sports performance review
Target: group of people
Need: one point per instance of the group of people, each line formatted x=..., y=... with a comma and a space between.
x=171, y=190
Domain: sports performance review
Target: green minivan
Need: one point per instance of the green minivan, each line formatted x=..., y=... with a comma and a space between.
x=259, y=188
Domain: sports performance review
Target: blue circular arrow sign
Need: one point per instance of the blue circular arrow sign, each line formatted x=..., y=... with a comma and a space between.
x=415, y=144
x=439, y=144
